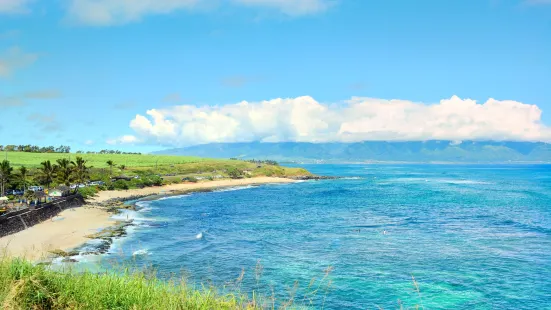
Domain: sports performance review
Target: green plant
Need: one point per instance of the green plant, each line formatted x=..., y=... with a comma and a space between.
x=80, y=170
x=46, y=173
x=120, y=185
x=234, y=173
x=88, y=191
x=27, y=286
x=110, y=163
x=5, y=175
x=64, y=171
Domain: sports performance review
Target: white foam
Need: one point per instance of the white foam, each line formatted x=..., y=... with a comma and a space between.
x=173, y=197
x=141, y=252
x=199, y=236
x=230, y=189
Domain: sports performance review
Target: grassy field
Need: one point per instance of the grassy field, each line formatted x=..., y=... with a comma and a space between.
x=170, y=169
x=32, y=160
x=27, y=286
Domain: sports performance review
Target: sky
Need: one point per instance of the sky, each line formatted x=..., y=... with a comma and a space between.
x=145, y=75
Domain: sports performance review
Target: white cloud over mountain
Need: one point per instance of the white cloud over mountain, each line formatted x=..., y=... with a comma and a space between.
x=303, y=119
x=109, y=12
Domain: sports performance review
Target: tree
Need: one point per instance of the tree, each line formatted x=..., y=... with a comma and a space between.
x=29, y=196
x=80, y=171
x=5, y=175
x=110, y=163
x=64, y=171
x=23, y=174
x=122, y=167
x=46, y=173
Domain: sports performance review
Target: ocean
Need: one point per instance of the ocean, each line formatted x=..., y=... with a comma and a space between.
x=436, y=236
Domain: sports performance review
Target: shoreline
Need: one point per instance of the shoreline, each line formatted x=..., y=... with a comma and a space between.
x=70, y=228
x=174, y=189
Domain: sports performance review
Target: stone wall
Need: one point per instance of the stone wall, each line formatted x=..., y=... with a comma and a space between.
x=21, y=220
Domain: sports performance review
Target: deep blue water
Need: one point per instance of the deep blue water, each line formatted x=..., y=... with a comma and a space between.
x=474, y=237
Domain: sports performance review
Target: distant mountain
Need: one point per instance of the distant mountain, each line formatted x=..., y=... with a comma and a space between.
x=413, y=151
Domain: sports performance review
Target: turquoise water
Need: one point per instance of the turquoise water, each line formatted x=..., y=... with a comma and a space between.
x=474, y=237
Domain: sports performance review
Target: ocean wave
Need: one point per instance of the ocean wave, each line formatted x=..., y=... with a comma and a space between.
x=141, y=252
x=173, y=197
x=236, y=188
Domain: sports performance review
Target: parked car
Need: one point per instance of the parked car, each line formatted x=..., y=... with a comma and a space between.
x=15, y=192
x=77, y=186
x=36, y=188
x=96, y=183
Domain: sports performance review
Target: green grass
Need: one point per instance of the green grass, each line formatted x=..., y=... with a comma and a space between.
x=27, y=286
x=158, y=164
x=32, y=160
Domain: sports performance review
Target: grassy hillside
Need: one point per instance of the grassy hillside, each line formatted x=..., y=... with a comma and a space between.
x=148, y=170
x=27, y=286
x=99, y=160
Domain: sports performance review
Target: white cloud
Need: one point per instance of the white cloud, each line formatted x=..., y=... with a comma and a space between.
x=13, y=6
x=306, y=120
x=13, y=59
x=291, y=7
x=112, y=12
x=109, y=12
x=89, y=142
x=127, y=139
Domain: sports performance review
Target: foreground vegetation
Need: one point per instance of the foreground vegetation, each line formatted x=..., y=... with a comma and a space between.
x=27, y=286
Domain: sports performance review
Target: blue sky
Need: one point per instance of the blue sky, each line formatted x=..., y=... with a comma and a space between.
x=85, y=72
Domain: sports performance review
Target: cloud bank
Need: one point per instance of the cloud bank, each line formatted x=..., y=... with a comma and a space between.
x=303, y=119
x=111, y=12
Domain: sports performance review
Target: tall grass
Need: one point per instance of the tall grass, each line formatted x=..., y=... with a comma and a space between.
x=27, y=286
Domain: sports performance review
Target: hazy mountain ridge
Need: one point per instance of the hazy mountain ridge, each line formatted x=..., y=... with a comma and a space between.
x=413, y=151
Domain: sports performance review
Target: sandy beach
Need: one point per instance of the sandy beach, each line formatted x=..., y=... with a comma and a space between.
x=69, y=228
x=168, y=189
x=65, y=231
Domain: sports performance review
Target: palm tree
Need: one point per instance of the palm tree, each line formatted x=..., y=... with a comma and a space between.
x=47, y=173
x=29, y=196
x=23, y=173
x=5, y=175
x=110, y=163
x=64, y=171
x=80, y=171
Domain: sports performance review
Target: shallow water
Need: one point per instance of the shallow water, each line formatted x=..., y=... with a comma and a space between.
x=474, y=237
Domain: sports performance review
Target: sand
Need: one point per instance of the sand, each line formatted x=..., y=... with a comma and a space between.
x=167, y=189
x=65, y=231
x=69, y=228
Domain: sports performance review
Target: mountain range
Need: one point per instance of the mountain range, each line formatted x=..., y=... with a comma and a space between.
x=376, y=151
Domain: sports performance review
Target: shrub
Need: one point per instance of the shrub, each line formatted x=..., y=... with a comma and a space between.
x=190, y=179
x=120, y=184
x=87, y=192
x=234, y=173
